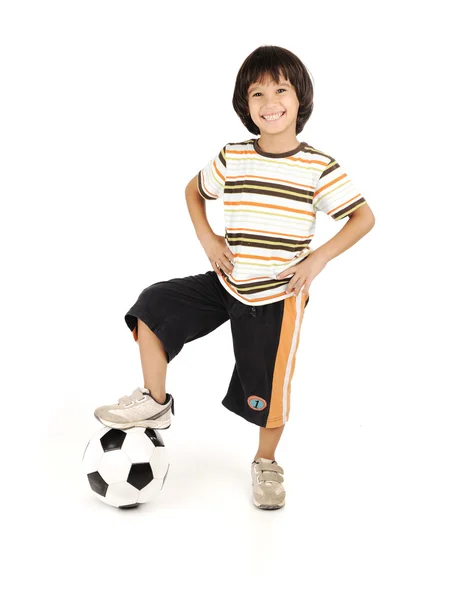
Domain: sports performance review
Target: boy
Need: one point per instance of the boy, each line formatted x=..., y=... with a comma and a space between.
x=272, y=188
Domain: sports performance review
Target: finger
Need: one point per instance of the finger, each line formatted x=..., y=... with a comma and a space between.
x=305, y=289
x=283, y=275
x=228, y=262
x=225, y=265
x=219, y=266
x=294, y=281
x=215, y=268
x=298, y=288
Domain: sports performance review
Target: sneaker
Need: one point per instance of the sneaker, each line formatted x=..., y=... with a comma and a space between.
x=267, y=477
x=139, y=409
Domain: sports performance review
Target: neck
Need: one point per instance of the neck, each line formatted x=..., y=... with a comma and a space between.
x=277, y=143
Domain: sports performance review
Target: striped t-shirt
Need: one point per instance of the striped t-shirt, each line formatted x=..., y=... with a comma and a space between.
x=270, y=205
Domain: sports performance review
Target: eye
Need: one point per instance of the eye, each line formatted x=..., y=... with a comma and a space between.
x=283, y=89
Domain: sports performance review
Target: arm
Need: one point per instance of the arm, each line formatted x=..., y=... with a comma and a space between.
x=215, y=246
x=359, y=223
x=197, y=210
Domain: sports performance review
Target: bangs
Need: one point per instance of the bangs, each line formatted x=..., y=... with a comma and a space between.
x=265, y=73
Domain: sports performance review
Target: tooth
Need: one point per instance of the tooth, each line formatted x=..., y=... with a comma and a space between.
x=273, y=117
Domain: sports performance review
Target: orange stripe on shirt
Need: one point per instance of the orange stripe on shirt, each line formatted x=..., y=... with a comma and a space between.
x=281, y=233
x=286, y=208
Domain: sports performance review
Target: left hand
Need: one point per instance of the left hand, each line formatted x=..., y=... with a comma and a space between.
x=304, y=273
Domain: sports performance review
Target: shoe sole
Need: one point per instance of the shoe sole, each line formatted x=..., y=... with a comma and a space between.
x=268, y=506
x=146, y=423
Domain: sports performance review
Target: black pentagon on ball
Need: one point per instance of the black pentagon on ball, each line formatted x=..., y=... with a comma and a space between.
x=113, y=439
x=97, y=483
x=154, y=436
x=140, y=475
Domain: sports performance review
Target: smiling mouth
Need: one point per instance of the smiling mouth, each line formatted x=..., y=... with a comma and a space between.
x=270, y=120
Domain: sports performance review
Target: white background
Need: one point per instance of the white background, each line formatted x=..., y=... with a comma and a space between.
x=108, y=109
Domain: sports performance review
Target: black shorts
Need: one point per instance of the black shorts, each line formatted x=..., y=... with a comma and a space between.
x=265, y=338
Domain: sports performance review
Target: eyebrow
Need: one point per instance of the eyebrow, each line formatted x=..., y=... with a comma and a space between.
x=257, y=85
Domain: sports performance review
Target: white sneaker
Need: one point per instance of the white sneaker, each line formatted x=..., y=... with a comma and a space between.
x=139, y=409
x=267, y=478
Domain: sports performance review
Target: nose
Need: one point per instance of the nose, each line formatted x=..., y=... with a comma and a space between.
x=271, y=101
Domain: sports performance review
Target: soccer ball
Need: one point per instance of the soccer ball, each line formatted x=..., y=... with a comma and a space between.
x=126, y=468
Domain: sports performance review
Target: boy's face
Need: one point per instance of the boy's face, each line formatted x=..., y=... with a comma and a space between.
x=269, y=98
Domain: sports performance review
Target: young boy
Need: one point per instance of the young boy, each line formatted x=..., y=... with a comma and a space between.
x=272, y=187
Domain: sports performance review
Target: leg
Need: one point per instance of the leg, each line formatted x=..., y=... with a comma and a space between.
x=154, y=361
x=175, y=310
x=268, y=441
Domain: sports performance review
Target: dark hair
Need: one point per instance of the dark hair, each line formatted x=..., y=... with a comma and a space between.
x=274, y=61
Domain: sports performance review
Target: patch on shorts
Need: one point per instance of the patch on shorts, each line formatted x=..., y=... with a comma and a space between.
x=256, y=402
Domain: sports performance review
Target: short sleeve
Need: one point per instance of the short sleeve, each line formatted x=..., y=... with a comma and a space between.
x=211, y=179
x=335, y=193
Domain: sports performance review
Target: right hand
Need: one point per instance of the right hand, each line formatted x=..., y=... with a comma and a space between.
x=218, y=253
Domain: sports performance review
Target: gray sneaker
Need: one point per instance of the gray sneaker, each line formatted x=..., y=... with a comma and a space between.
x=139, y=409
